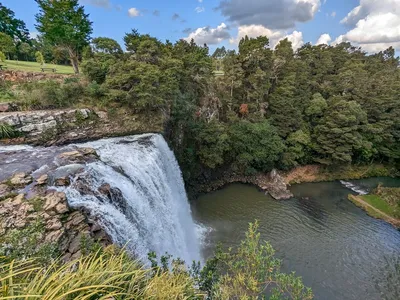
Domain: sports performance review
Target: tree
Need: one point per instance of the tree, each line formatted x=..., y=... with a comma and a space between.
x=39, y=57
x=2, y=57
x=6, y=43
x=25, y=49
x=106, y=45
x=64, y=24
x=11, y=26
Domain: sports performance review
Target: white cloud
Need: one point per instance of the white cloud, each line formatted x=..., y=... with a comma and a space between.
x=210, y=36
x=274, y=36
x=375, y=25
x=274, y=14
x=133, y=12
x=333, y=14
x=200, y=9
x=200, y=1
x=324, y=39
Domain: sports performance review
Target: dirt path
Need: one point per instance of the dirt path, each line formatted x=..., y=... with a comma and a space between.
x=385, y=216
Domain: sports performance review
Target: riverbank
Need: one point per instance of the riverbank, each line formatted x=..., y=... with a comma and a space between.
x=376, y=207
x=277, y=185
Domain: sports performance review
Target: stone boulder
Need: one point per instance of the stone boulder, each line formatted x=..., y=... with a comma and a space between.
x=21, y=179
x=277, y=187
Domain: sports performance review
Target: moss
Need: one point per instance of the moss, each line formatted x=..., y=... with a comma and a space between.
x=9, y=195
x=37, y=204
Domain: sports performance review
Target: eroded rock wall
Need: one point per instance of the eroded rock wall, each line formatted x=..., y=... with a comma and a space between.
x=54, y=127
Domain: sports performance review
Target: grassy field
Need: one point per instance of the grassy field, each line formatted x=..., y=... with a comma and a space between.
x=30, y=66
x=380, y=204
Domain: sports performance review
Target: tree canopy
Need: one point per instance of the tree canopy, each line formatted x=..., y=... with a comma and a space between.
x=64, y=24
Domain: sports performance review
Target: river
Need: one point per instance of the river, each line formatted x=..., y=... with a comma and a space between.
x=339, y=250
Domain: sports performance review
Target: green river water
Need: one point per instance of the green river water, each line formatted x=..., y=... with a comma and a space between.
x=339, y=250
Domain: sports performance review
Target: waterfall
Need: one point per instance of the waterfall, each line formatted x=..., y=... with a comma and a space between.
x=357, y=189
x=149, y=209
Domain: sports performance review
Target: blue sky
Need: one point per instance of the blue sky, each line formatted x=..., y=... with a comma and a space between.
x=223, y=22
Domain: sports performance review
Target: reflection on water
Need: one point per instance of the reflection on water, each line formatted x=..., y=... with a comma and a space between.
x=338, y=250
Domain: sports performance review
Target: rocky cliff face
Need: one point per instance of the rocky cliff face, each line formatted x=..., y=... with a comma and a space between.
x=36, y=219
x=271, y=183
x=54, y=127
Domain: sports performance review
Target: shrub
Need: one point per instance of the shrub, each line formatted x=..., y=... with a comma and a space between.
x=2, y=57
x=7, y=131
x=39, y=57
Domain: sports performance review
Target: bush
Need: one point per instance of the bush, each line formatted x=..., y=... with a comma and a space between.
x=2, y=57
x=39, y=57
x=51, y=94
x=7, y=131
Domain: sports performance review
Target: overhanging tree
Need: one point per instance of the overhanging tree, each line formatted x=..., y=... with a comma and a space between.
x=64, y=24
x=11, y=26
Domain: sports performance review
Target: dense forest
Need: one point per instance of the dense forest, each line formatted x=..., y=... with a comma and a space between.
x=265, y=107
x=322, y=104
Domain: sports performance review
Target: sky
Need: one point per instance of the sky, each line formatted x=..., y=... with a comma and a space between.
x=372, y=24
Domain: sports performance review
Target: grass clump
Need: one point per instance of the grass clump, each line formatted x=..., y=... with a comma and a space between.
x=379, y=203
x=7, y=131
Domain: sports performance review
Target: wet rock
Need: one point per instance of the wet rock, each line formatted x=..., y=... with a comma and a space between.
x=75, y=244
x=53, y=199
x=4, y=190
x=54, y=236
x=88, y=151
x=18, y=199
x=62, y=181
x=42, y=179
x=21, y=179
x=105, y=189
x=277, y=186
x=53, y=224
x=71, y=155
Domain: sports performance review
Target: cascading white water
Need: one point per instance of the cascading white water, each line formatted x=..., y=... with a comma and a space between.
x=354, y=188
x=155, y=214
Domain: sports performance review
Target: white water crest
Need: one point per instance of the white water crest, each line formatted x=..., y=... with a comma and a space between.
x=151, y=212
x=357, y=189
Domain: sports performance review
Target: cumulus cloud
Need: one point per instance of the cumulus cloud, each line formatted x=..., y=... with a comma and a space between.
x=274, y=36
x=333, y=14
x=210, y=36
x=274, y=14
x=374, y=25
x=133, y=12
x=99, y=3
x=324, y=39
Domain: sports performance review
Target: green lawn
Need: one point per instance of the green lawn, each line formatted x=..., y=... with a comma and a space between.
x=30, y=66
x=380, y=204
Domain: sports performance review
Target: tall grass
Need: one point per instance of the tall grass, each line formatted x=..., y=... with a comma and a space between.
x=106, y=274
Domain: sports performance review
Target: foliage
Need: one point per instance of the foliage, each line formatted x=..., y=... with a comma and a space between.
x=2, y=57
x=24, y=243
x=39, y=58
x=64, y=24
x=12, y=26
x=106, y=45
x=249, y=272
x=6, y=43
x=7, y=131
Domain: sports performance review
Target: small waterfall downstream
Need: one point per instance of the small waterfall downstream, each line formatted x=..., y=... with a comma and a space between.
x=355, y=188
x=134, y=191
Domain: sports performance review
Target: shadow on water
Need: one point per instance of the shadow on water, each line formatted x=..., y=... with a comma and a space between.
x=339, y=250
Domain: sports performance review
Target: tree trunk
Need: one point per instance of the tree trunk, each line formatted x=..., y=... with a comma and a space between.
x=74, y=60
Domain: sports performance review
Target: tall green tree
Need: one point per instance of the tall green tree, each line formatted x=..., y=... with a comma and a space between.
x=12, y=26
x=6, y=44
x=64, y=24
